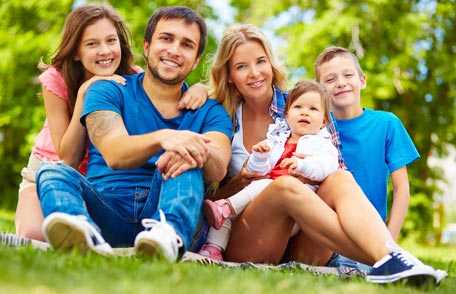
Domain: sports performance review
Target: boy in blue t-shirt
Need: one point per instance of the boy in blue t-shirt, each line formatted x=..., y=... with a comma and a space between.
x=374, y=144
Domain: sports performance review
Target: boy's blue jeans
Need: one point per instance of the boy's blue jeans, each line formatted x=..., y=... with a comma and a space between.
x=118, y=212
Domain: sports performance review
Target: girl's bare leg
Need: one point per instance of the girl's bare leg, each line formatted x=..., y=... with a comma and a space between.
x=28, y=214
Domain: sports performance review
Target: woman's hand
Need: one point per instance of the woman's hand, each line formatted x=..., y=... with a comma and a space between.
x=194, y=97
x=291, y=164
x=294, y=173
x=245, y=177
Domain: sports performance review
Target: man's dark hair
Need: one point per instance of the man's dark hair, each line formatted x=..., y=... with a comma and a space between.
x=177, y=12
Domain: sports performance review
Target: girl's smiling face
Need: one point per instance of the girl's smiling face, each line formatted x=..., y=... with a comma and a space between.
x=99, y=50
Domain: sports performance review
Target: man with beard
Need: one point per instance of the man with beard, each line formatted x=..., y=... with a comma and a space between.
x=148, y=160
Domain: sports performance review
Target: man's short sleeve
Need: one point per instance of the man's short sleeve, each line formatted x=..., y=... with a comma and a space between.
x=218, y=120
x=400, y=150
x=102, y=96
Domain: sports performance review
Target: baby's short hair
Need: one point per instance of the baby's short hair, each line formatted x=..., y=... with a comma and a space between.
x=306, y=86
x=329, y=53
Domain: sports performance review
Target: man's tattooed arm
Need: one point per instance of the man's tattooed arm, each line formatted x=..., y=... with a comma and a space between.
x=107, y=132
x=104, y=124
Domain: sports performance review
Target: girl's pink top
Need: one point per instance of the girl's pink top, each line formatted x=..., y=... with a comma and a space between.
x=44, y=149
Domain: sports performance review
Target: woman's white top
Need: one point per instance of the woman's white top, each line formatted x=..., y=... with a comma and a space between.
x=238, y=152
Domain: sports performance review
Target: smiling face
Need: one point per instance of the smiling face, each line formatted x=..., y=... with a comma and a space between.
x=344, y=84
x=306, y=114
x=172, y=52
x=99, y=50
x=250, y=71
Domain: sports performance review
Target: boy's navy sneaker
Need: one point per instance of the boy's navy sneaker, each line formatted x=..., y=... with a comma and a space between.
x=400, y=265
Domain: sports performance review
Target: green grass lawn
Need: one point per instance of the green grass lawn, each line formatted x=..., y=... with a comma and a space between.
x=26, y=270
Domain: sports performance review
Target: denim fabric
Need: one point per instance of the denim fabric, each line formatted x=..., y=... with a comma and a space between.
x=338, y=260
x=118, y=211
x=200, y=236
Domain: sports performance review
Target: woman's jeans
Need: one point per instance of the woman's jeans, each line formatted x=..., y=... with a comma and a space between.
x=118, y=212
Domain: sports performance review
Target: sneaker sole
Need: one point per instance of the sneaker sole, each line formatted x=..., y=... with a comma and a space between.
x=411, y=277
x=149, y=248
x=63, y=235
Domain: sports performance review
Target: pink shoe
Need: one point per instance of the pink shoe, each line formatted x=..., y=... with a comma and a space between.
x=217, y=212
x=211, y=251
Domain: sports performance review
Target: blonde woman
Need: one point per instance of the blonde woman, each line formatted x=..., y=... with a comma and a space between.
x=248, y=79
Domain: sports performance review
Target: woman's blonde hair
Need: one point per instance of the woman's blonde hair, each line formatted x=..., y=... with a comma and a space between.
x=233, y=37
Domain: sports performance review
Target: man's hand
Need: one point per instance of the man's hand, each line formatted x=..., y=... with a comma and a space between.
x=171, y=164
x=189, y=145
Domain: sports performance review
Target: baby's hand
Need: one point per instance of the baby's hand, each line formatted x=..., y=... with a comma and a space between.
x=290, y=164
x=262, y=147
x=299, y=155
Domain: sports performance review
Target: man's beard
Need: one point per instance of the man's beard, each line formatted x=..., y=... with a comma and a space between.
x=172, y=82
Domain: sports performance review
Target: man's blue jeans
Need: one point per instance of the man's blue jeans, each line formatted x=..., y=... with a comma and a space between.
x=118, y=212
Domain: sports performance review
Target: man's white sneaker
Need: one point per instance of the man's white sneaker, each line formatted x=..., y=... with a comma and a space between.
x=66, y=232
x=158, y=239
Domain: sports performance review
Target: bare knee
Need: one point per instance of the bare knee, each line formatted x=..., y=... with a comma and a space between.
x=339, y=185
x=287, y=185
x=290, y=189
x=340, y=177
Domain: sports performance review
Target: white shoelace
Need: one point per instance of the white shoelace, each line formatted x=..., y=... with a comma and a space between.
x=92, y=231
x=411, y=259
x=403, y=258
x=149, y=223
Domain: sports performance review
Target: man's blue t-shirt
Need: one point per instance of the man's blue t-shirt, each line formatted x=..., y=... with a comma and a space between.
x=374, y=145
x=140, y=116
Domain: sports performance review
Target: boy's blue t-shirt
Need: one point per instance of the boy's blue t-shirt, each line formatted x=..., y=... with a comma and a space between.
x=374, y=145
x=140, y=117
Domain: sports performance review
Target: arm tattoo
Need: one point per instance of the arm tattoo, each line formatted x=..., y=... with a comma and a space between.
x=101, y=123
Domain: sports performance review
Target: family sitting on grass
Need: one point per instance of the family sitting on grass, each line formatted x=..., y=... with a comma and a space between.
x=125, y=155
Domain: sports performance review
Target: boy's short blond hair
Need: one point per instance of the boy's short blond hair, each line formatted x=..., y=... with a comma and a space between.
x=331, y=52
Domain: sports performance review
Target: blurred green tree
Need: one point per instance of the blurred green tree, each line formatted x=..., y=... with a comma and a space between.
x=407, y=50
x=28, y=31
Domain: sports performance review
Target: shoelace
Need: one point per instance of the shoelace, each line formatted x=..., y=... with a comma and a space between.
x=394, y=247
x=402, y=257
x=149, y=223
x=96, y=237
